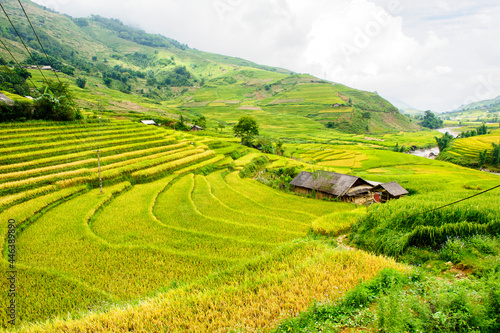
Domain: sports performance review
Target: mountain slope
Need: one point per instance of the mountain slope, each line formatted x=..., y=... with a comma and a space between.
x=128, y=69
x=482, y=111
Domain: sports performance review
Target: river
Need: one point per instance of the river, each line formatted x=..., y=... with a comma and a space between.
x=455, y=131
x=427, y=153
x=433, y=152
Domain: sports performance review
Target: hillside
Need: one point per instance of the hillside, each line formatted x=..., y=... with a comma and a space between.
x=130, y=70
x=487, y=111
x=467, y=151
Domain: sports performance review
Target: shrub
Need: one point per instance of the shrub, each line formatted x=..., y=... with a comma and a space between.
x=81, y=82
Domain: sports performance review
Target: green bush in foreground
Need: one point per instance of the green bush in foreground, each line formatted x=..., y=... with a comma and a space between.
x=394, y=302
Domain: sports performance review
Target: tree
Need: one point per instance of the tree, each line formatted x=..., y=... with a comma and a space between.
x=482, y=130
x=482, y=157
x=444, y=141
x=55, y=103
x=495, y=154
x=221, y=126
x=107, y=81
x=246, y=129
x=202, y=122
x=430, y=121
x=280, y=150
x=81, y=82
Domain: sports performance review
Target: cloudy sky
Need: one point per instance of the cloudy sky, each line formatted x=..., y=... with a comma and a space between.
x=430, y=54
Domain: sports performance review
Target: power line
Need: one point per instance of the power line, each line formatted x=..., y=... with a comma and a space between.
x=455, y=202
x=22, y=41
x=39, y=42
x=5, y=46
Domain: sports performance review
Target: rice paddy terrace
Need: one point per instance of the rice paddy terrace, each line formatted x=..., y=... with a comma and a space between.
x=164, y=239
x=177, y=242
x=465, y=151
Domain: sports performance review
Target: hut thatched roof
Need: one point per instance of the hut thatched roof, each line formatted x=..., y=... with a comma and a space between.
x=327, y=182
x=359, y=190
x=393, y=189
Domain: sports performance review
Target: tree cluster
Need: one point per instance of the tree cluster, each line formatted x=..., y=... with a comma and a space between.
x=493, y=158
x=481, y=130
x=431, y=121
x=14, y=81
x=54, y=103
x=444, y=141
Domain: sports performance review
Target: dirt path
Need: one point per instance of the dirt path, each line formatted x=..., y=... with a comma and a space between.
x=341, y=241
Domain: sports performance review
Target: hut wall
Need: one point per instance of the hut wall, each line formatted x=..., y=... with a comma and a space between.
x=323, y=195
x=303, y=190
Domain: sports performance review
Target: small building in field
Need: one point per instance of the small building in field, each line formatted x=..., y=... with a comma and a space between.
x=148, y=122
x=196, y=128
x=346, y=188
x=388, y=191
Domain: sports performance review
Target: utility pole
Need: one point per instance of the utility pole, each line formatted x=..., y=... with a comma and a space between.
x=98, y=151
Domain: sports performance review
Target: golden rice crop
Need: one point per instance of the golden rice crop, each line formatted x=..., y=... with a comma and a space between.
x=72, y=142
x=25, y=195
x=268, y=197
x=24, y=156
x=134, y=148
x=82, y=133
x=158, y=170
x=148, y=153
x=19, y=184
x=142, y=162
x=237, y=200
x=212, y=161
x=255, y=297
x=62, y=242
x=28, y=209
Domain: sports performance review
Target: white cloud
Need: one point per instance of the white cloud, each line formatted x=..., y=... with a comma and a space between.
x=433, y=55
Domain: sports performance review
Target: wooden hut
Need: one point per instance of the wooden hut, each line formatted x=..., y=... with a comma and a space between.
x=345, y=187
x=388, y=191
x=332, y=185
x=196, y=128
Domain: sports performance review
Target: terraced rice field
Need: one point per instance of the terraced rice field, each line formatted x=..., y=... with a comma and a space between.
x=470, y=147
x=466, y=151
x=157, y=231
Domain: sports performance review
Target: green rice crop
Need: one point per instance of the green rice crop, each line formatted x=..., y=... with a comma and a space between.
x=207, y=204
x=268, y=197
x=138, y=226
x=219, y=226
x=77, y=253
x=238, y=201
